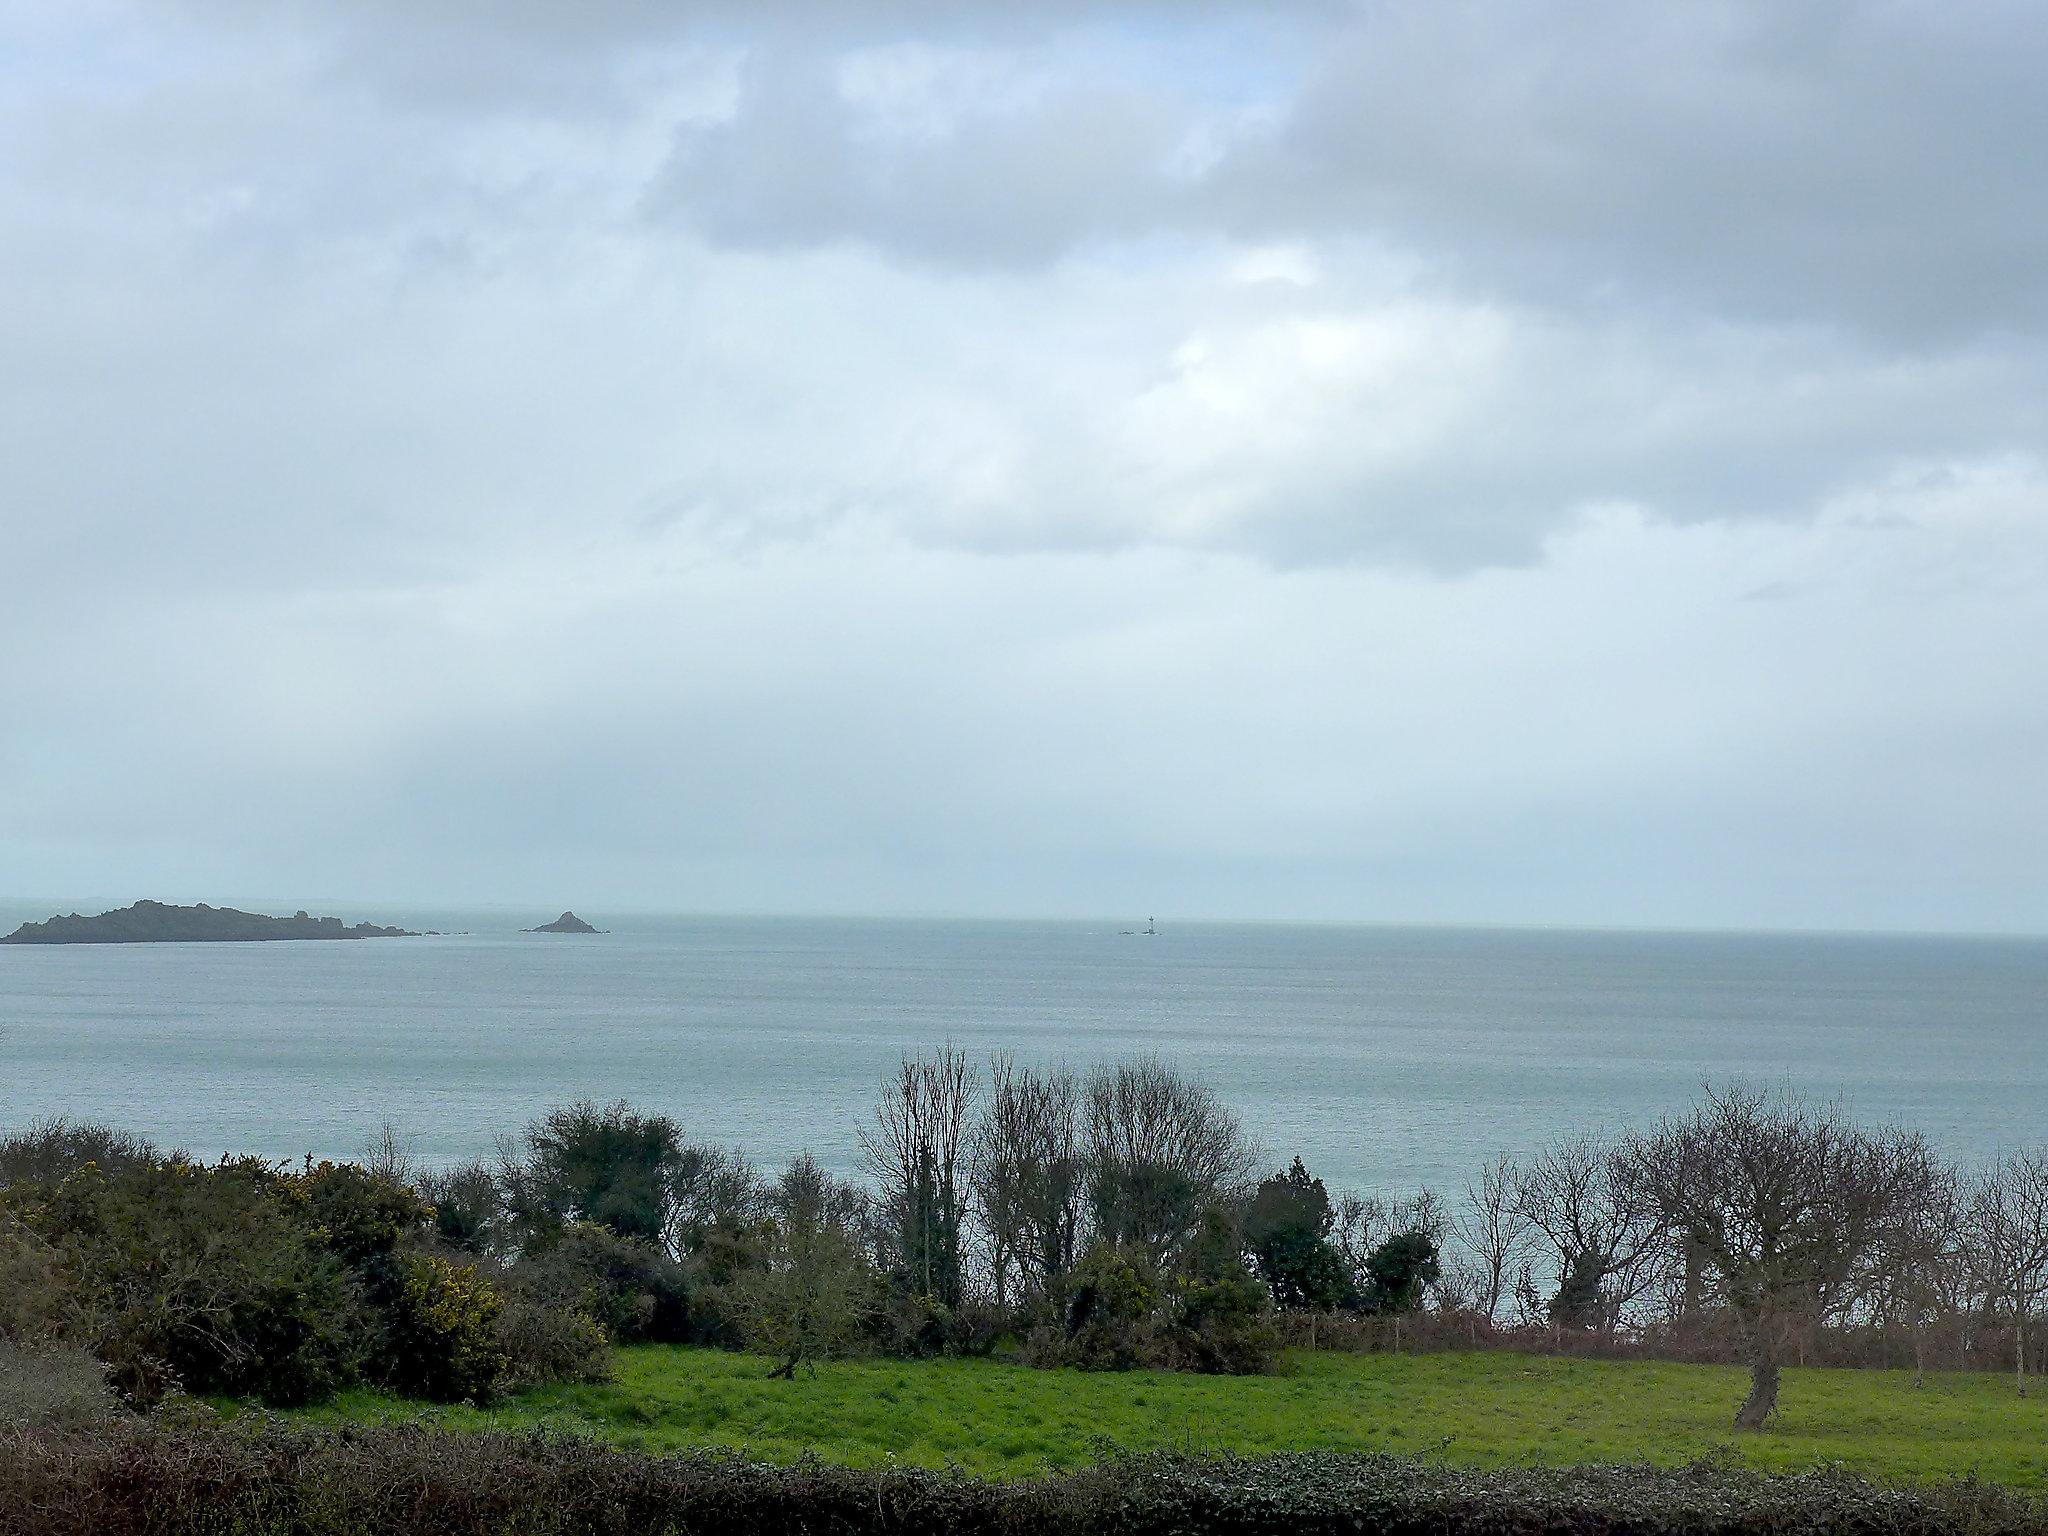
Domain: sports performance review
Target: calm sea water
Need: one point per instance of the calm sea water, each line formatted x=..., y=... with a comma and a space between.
x=1386, y=1058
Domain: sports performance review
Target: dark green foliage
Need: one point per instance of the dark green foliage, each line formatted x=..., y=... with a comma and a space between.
x=634, y=1290
x=928, y=1236
x=1578, y=1302
x=146, y=1481
x=1397, y=1270
x=1222, y=1326
x=1144, y=1203
x=912, y=1326
x=38, y=1300
x=545, y=1343
x=441, y=1327
x=209, y=1278
x=1287, y=1230
x=611, y=1166
x=469, y=1213
x=1111, y=1295
x=359, y=1215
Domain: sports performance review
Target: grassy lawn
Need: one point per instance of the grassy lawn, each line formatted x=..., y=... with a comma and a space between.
x=1484, y=1409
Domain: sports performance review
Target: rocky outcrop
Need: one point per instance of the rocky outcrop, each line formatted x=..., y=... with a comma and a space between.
x=568, y=922
x=154, y=922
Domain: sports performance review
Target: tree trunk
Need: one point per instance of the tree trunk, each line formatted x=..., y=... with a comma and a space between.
x=1763, y=1383
x=2019, y=1346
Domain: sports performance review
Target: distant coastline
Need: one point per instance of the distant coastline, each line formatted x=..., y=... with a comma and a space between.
x=156, y=922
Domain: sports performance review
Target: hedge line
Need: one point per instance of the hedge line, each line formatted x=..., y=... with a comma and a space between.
x=234, y=1480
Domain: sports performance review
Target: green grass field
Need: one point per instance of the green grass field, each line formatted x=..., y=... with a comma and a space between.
x=1484, y=1409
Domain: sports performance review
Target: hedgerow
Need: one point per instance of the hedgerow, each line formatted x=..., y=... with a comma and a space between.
x=271, y=1480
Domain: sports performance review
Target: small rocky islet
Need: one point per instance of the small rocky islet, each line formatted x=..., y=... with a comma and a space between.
x=568, y=922
x=156, y=922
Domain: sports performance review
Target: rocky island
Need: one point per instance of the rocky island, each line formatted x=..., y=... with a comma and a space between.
x=154, y=922
x=568, y=922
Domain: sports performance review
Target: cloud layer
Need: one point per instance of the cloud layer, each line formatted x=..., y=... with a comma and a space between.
x=1505, y=463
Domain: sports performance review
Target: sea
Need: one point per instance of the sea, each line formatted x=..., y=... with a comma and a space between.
x=1387, y=1058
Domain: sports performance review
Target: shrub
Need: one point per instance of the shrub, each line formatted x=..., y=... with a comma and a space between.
x=200, y=1277
x=1223, y=1326
x=407, y=1481
x=46, y=1151
x=1110, y=1295
x=442, y=1340
x=53, y=1386
x=633, y=1289
x=37, y=1298
x=357, y=1215
x=914, y=1326
x=1397, y=1270
x=1287, y=1228
x=469, y=1212
x=543, y=1342
x=610, y=1165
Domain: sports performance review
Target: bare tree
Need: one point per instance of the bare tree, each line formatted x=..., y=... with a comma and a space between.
x=1786, y=1204
x=1025, y=1171
x=1605, y=1239
x=711, y=1187
x=1160, y=1148
x=914, y=1148
x=1361, y=1223
x=390, y=1155
x=1921, y=1270
x=2007, y=1227
x=1492, y=1229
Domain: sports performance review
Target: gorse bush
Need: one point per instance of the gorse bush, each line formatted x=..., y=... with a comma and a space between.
x=442, y=1339
x=358, y=1215
x=205, y=1278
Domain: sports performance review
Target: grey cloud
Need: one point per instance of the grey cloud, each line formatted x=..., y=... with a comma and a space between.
x=1872, y=166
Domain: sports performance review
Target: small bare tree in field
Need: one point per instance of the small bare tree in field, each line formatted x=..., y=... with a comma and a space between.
x=1025, y=1171
x=2007, y=1239
x=915, y=1150
x=1492, y=1229
x=1788, y=1207
x=1604, y=1236
x=808, y=1301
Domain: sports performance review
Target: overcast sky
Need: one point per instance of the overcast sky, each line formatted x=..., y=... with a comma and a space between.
x=1408, y=460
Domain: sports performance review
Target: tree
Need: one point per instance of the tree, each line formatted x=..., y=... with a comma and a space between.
x=1159, y=1149
x=914, y=1149
x=1492, y=1228
x=2007, y=1227
x=1397, y=1271
x=1602, y=1234
x=1786, y=1206
x=811, y=1296
x=1287, y=1228
x=1025, y=1174
x=611, y=1166
x=712, y=1191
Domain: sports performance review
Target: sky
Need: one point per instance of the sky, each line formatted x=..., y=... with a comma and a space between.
x=1400, y=461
